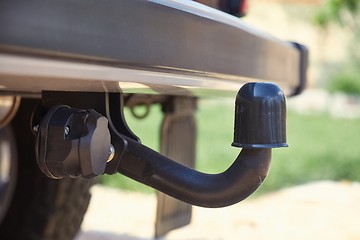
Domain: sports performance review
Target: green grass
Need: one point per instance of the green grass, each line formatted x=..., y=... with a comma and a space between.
x=346, y=79
x=321, y=147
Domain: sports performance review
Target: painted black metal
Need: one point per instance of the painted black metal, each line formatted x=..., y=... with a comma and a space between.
x=240, y=180
x=244, y=176
x=259, y=126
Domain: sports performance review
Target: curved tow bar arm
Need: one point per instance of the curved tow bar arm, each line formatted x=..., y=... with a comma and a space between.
x=260, y=124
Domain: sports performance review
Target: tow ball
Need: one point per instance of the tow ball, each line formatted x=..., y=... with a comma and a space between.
x=80, y=143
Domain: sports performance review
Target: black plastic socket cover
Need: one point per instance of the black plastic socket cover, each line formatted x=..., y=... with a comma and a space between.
x=72, y=143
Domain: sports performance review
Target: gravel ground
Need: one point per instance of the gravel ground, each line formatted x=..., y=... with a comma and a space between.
x=319, y=210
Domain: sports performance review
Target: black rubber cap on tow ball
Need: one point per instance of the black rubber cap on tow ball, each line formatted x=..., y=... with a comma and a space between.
x=260, y=116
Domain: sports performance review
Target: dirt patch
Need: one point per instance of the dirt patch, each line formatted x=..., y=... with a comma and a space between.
x=320, y=210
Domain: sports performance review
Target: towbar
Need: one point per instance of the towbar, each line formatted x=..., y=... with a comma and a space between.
x=260, y=124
